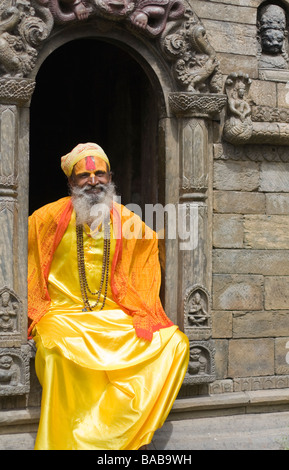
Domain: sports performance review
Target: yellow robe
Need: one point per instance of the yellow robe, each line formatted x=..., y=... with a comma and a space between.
x=104, y=388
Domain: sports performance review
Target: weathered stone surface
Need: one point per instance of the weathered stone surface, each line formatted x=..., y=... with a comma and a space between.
x=221, y=324
x=229, y=62
x=221, y=358
x=277, y=203
x=241, y=3
x=251, y=357
x=282, y=355
x=274, y=177
x=263, y=93
x=283, y=95
x=260, y=324
x=228, y=231
x=225, y=12
x=266, y=262
x=277, y=292
x=266, y=231
x=244, y=42
x=238, y=202
x=237, y=292
x=236, y=176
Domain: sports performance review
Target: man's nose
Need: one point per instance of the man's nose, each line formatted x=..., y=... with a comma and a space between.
x=92, y=179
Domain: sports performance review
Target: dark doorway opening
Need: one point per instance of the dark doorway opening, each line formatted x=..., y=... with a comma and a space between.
x=93, y=91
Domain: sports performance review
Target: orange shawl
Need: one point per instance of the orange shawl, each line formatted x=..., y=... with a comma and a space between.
x=135, y=276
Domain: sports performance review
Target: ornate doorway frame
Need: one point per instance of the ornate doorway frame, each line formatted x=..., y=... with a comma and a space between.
x=177, y=57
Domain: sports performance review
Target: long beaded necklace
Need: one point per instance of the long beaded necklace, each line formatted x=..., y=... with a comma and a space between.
x=84, y=287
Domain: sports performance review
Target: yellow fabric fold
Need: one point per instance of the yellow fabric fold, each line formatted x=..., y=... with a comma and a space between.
x=103, y=387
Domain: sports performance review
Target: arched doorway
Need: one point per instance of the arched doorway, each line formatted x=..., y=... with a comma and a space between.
x=92, y=90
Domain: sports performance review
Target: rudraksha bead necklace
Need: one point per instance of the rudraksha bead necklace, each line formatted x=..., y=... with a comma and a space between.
x=84, y=287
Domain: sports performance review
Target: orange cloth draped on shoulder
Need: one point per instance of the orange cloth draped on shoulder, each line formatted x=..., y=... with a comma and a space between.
x=135, y=274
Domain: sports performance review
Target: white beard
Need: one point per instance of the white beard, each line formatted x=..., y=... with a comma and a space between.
x=91, y=209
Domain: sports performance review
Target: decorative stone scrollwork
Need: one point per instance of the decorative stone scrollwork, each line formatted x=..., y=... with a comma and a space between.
x=197, y=105
x=239, y=127
x=14, y=371
x=201, y=368
x=16, y=91
x=23, y=27
x=195, y=65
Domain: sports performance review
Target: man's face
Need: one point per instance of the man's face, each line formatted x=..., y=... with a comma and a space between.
x=90, y=174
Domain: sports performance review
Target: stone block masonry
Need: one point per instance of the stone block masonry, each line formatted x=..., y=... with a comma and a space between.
x=250, y=295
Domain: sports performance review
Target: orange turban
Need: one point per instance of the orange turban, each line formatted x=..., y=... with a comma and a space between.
x=78, y=153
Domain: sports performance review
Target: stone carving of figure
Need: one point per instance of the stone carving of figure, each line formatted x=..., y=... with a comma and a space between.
x=195, y=61
x=197, y=313
x=238, y=125
x=9, y=372
x=148, y=15
x=238, y=106
x=197, y=362
x=9, y=59
x=272, y=34
x=8, y=313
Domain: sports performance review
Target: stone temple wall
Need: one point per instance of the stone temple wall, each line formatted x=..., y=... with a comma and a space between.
x=250, y=314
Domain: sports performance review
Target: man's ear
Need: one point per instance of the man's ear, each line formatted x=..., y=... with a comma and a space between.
x=71, y=179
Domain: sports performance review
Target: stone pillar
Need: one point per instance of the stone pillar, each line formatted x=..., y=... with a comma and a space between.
x=14, y=158
x=195, y=113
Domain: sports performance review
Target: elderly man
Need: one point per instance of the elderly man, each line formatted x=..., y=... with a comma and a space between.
x=109, y=360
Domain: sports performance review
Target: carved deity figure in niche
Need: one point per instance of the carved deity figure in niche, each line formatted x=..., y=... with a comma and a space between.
x=9, y=371
x=197, y=312
x=272, y=34
x=197, y=362
x=238, y=124
x=8, y=313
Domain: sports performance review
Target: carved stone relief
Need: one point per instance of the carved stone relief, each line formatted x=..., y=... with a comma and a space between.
x=206, y=105
x=14, y=371
x=272, y=36
x=23, y=27
x=150, y=16
x=239, y=127
x=260, y=153
x=201, y=368
x=197, y=308
x=10, y=310
x=195, y=65
x=10, y=318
